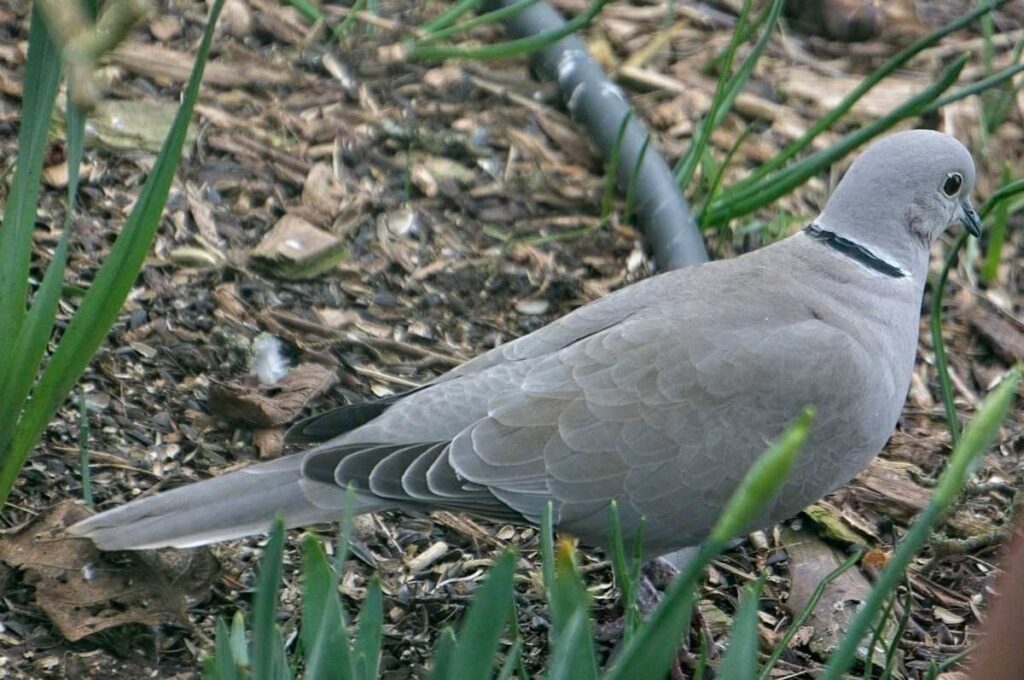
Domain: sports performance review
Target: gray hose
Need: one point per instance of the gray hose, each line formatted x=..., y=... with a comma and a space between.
x=599, y=106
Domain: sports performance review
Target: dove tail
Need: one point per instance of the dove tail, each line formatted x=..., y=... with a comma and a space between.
x=237, y=504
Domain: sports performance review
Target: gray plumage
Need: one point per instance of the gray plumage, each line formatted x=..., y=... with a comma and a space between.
x=659, y=396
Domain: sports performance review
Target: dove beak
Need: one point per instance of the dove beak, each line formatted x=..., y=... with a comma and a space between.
x=968, y=216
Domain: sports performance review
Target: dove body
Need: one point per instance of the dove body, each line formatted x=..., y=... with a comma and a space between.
x=659, y=396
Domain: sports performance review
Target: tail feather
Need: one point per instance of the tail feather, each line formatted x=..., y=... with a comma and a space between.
x=329, y=424
x=231, y=506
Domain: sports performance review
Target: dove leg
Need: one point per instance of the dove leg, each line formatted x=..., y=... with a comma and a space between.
x=656, y=577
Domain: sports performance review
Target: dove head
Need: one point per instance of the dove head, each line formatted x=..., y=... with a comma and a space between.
x=901, y=195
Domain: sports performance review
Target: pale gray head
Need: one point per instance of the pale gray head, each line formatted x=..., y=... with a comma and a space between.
x=902, y=194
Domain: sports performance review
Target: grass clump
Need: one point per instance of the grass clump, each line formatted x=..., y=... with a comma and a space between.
x=34, y=381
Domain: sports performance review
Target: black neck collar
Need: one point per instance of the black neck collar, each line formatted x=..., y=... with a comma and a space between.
x=854, y=251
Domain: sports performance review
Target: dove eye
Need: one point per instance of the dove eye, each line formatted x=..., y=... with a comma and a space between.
x=951, y=186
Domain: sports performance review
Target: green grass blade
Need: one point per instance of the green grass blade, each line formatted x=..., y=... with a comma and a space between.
x=763, y=481
x=716, y=181
x=265, y=639
x=611, y=167
x=280, y=670
x=746, y=69
x=31, y=343
x=876, y=635
x=999, y=109
x=939, y=346
x=480, y=633
x=450, y=16
x=239, y=647
x=491, y=17
x=574, y=641
x=443, y=654
x=516, y=637
x=740, y=659
x=307, y=9
x=346, y=24
x=344, y=531
x=547, y=551
x=209, y=671
x=935, y=318
x=980, y=87
x=901, y=628
x=323, y=633
x=223, y=661
x=702, y=657
x=330, y=656
x=975, y=442
x=573, y=649
x=1001, y=194
x=996, y=237
x=622, y=572
x=687, y=165
x=737, y=82
x=740, y=200
x=878, y=75
x=512, y=660
x=370, y=632
x=30, y=347
x=655, y=643
x=634, y=177
x=42, y=75
x=708, y=169
x=805, y=613
x=101, y=304
x=316, y=588
x=510, y=48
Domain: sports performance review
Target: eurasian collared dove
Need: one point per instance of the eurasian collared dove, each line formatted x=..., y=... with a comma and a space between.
x=660, y=395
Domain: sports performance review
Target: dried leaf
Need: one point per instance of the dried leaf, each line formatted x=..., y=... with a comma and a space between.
x=323, y=191
x=810, y=561
x=270, y=405
x=295, y=249
x=84, y=591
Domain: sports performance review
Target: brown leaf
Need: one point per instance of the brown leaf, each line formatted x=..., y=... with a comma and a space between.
x=202, y=214
x=295, y=249
x=271, y=405
x=323, y=191
x=810, y=561
x=84, y=591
